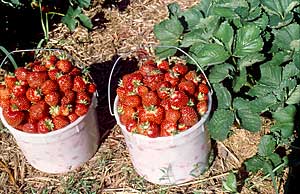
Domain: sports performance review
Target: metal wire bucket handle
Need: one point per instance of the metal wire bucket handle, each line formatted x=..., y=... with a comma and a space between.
x=170, y=47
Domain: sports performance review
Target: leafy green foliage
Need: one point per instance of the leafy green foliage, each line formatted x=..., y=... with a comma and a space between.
x=75, y=16
x=229, y=184
x=250, y=52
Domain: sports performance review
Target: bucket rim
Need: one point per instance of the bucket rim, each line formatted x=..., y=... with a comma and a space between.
x=203, y=119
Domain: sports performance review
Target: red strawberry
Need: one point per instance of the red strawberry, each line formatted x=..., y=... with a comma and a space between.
x=10, y=80
x=81, y=109
x=151, y=98
x=163, y=90
x=178, y=99
x=203, y=88
x=13, y=118
x=52, y=98
x=142, y=90
x=163, y=65
x=83, y=97
x=133, y=101
x=91, y=88
x=18, y=89
x=65, y=110
x=172, y=77
x=38, y=111
x=153, y=79
x=4, y=103
x=172, y=115
x=75, y=71
x=60, y=122
x=122, y=93
x=182, y=127
x=192, y=76
x=45, y=125
x=154, y=114
x=180, y=68
x=202, y=96
x=166, y=104
x=21, y=102
x=54, y=74
x=39, y=68
x=69, y=97
x=73, y=117
x=65, y=83
x=132, y=81
x=189, y=116
x=50, y=62
x=30, y=128
x=187, y=87
x=78, y=84
x=149, y=129
x=36, y=79
x=168, y=128
x=147, y=67
x=64, y=65
x=132, y=126
x=49, y=86
x=202, y=107
x=34, y=94
x=21, y=73
x=54, y=111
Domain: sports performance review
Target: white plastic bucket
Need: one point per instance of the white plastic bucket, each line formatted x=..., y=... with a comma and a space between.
x=64, y=149
x=172, y=159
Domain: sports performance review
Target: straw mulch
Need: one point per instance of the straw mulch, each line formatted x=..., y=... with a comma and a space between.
x=110, y=170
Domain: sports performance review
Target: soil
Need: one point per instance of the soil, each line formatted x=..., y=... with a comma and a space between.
x=119, y=27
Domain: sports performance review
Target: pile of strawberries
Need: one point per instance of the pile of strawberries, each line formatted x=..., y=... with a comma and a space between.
x=45, y=95
x=162, y=98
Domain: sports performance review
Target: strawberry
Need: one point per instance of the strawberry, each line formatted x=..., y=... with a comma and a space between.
x=38, y=111
x=178, y=99
x=203, y=88
x=68, y=98
x=10, y=80
x=73, y=117
x=202, y=107
x=187, y=87
x=39, y=68
x=172, y=77
x=132, y=81
x=60, y=122
x=18, y=89
x=21, y=73
x=163, y=90
x=147, y=67
x=83, y=97
x=91, y=88
x=132, y=126
x=151, y=98
x=153, y=79
x=149, y=129
x=75, y=71
x=81, y=109
x=13, y=118
x=168, y=128
x=192, y=76
x=52, y=98
x=30, y=128
x=122, y=93
x=78, y=84
x=20, y=102
x=49, y=86
x=50, y=62
x=65, y=109
x=166, y=104
x=182, y=127
x=45, y=125
x=163, y=65
x=54, y=74
x=64, y=65
x=133, y=101
x=172, y=115
x=4, y=103
x=142, y=90
x=180, y=68
x=189, y=116
x=65, y=83
x=36, y=79
x=202, y=96
x=54, y=111
x=154, y=114
x=34, y=94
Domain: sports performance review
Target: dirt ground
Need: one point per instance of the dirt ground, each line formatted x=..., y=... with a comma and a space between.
x=121, y=29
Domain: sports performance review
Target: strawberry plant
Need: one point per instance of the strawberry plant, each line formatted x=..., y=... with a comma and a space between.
x=250, y=51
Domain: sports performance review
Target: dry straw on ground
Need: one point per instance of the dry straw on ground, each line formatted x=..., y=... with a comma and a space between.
x=110, y=170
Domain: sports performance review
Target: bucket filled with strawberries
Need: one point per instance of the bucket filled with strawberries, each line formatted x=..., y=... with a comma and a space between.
x=162, y=108
x=48, y=105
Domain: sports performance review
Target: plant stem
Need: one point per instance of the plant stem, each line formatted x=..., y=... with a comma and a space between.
x=55, y=13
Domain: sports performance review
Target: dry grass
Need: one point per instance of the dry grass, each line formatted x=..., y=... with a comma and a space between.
x=110, y=170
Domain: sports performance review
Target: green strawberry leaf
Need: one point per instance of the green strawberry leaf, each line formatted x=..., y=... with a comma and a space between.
x=285, y=115
x=205, y=7
x=254, y=164
x=260, y=90
x=219, y=72
x=296, y=59
x=223, y=96
x=248, y=40
x=285, y=129
x=266, y=145
x=294, y=98
x=268, y=169
x=197, y=36
x=225, y=34
x=270, y=75
x=86, y=21
x=250, y=59
x=240, y=80
x=167, y=30
x=229, y=184
x=192, y=17
x=174, y=10
x=287, y=38
x=249, y=120
x=220, y=124
x=209, y=54
x=290, y=70
x=162, y=52
x=70, y=22
x=262, y=103
x=84, y=3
